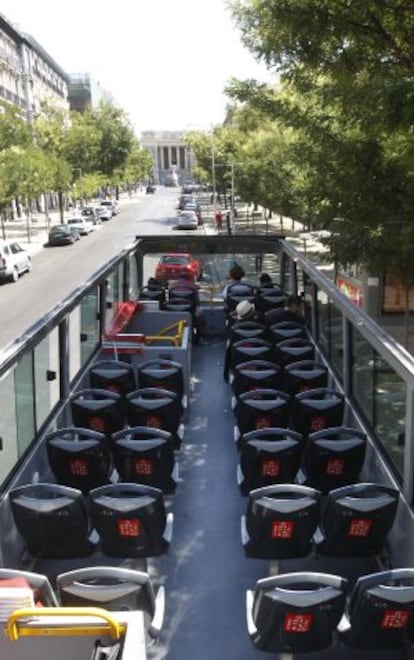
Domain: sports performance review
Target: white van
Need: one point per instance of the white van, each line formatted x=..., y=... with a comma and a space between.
x=14, y=260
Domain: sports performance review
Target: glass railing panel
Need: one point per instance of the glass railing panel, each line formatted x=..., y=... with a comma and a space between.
x=363, y=374
x=25, y=402
x=336, y=340
x=323, y=322
x=8, y=425
x=390, y=394
x=89, y=324
x=47, y=376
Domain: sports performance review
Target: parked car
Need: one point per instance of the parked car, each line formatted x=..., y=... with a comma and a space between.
x=14, y=260
x=90, y=213
x=150, y=189
x=187, y=220
x=103, y=212
x=191, y=206
x=81, y=224
x=63, y=235
x=170, y=266
x=111, y=204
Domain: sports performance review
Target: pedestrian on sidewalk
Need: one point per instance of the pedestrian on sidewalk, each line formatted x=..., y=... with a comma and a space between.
x=218, y=218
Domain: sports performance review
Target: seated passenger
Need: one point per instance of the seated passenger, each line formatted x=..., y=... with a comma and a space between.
x=265, y=281
x=236, y=276
x=290, y=312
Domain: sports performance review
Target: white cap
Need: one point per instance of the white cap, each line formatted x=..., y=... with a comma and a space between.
x=244, y=309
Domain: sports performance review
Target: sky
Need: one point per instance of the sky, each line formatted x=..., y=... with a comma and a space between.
x=165, y=62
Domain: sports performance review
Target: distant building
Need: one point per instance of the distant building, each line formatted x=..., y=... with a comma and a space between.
x=29, y=76
x=85, y=93
x=172, y=159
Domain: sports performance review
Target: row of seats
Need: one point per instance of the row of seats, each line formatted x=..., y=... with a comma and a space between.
x=325, y=460
x=121, y=520
x=264, y=298
x=113, y=588
x=305, y=612
x=293, y=378
x=85, y=459
x=288, y=521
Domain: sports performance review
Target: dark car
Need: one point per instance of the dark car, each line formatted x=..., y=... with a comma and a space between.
x=63, y=235
x=150, y=189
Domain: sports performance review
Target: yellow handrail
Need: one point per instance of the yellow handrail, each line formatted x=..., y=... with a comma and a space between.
x=14, y=629
x=161, y=336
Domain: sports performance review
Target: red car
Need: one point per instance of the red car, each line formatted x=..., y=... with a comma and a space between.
x=170, y=266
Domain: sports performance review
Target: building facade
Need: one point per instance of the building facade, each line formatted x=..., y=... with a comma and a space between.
x=85, y=93
x=172, y=158
x=29, y=76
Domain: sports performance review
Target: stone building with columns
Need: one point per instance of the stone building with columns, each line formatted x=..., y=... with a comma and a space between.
x=172, y=158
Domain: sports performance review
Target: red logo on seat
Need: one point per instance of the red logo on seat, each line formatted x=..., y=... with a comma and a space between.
x=394, y=619
x=154, y=421
x=270, y=468
x=359, y=527
x=113, y=387
x=97, y=424
x=334, y=466
x=282, y=529
x=297, y=623
x=78, y=467
x=144, y=466
x=317, y=423
x=129, y=527
x=262, y=423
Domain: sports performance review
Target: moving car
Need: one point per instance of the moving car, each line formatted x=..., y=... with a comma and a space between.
x=90, y=213
x=63, y=235
x=14, y=260
x=81, y=224
x=170, y=266
x=187, y=220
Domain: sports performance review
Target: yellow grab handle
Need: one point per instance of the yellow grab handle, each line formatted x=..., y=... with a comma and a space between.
x=12, y=629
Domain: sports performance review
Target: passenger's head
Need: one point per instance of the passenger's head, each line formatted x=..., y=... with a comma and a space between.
x=244, y=310
x=293, y=303
x=237, y=272
x=265, y=279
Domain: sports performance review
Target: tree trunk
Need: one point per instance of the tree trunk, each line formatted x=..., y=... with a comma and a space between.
x=61, y=206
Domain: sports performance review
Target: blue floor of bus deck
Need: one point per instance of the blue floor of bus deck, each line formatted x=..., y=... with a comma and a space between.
x=206, y=573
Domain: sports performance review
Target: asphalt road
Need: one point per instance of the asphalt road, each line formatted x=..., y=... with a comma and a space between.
x=58, y=270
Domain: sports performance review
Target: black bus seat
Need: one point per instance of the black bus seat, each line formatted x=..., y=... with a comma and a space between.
x=356, y=520
x=293, y=350
x=317, y=409
x=261, y=408
x=268, y=456
x=157, y=408
x=113, y=375
x=247, y=330
x=253, y=348
x=53, y=520
x=131, y=520
x=97, y=409
x=280, y=521
x=286, y=330
x=145, y=455
x=43, y=593
x=152, y=292
x=333, y=458
x=379, y=614
x=295, y=612
x=165, y=374
x=115, y=589
x=255, y=374
x=236, y=293
x=268, y=299
x=304, y=375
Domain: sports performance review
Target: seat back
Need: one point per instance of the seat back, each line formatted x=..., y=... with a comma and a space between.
x=113, y=375
x=146, y=456
x=130, y=519
x=334, y=457
x=99, y=410
x=38, y=583
x=250, y=349
x=269, y=456
x=154, y=407
x=356, y=520
x=304, y=375
x=280, y=521
x=255, y=374
x=295, y=612
x=262, y=408
x=294, y=350
x=380, y=611
x=268, y=299
x=247, y=330
x=286, y=330
x=236, y=293
x=164, y=374
x=317, y=409
x=179, y=305
x=79, y=458
x=52, y=519
x=152, y=293
x=182, y=292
